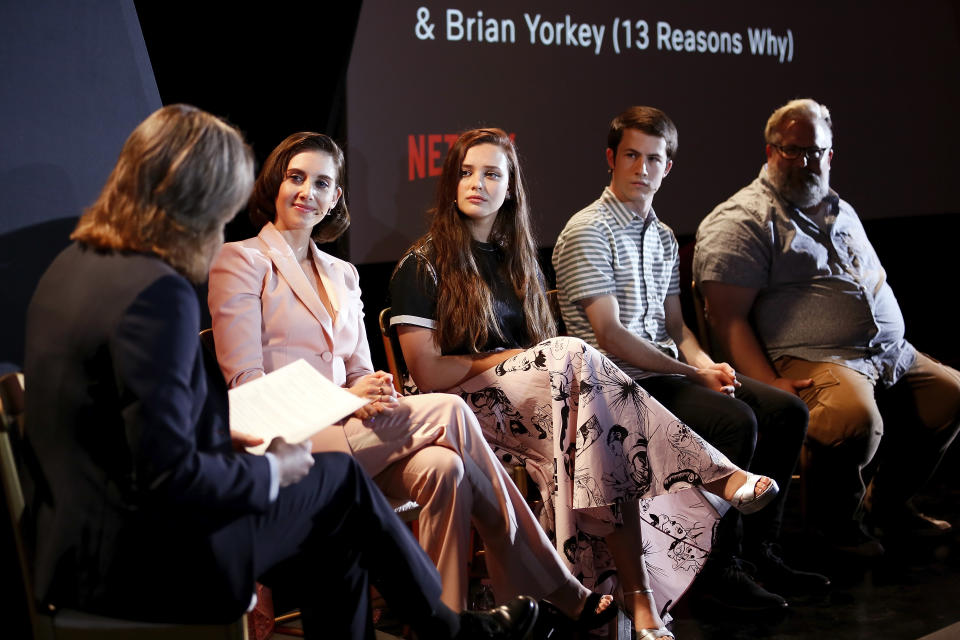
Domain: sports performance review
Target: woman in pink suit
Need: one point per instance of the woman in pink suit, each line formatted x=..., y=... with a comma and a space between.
x=277, y=298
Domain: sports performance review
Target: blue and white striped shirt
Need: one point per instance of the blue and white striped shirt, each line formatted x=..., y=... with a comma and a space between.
x=607, y=248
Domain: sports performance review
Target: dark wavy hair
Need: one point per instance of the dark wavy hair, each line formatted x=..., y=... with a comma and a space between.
x=180, y=176
x=263, y=202
x=465, y=313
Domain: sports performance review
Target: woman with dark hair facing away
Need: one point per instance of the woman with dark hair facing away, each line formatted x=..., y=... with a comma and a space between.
x=472, y=319
x=276, y=298
x=141, y=507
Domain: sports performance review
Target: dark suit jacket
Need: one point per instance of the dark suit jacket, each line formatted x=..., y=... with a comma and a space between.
x=141, y=506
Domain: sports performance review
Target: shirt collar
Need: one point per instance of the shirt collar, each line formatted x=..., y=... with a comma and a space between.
x=621, y=212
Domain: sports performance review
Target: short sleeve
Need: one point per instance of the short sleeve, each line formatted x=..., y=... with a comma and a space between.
x=583, y=259
x=674, y=288
x=733, y=247
x=413, y=293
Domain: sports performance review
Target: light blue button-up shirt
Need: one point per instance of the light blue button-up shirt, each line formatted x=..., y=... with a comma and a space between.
x=823, y=294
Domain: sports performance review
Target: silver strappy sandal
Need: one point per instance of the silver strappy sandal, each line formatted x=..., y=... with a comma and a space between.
x=649, y=634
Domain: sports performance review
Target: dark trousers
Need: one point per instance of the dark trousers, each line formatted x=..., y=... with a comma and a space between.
x=761, y=429
x=327, y=536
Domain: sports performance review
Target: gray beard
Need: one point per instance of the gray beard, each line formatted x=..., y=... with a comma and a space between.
x=803, y=191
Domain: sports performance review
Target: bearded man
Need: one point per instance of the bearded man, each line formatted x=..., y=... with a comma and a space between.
x=797, y=298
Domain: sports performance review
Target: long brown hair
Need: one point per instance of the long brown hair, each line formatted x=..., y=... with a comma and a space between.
x=465, y=312
x=180, y=176
x=263, y=202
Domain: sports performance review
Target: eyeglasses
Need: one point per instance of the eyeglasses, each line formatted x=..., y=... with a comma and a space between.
x=812, y=154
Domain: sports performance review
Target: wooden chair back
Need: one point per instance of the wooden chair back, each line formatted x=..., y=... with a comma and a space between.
x=395, y=362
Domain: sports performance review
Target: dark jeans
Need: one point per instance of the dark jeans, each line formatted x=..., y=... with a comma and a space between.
x=761, y=429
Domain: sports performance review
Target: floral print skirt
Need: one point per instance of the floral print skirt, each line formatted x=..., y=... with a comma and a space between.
x=591, y=438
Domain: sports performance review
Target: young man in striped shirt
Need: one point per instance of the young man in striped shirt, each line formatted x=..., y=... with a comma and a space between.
x=618, y=276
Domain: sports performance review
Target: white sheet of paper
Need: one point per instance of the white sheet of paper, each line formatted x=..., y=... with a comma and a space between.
x=294, y=401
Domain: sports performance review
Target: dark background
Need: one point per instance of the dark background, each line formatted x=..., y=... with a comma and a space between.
x=75, y=84
x=888, y=74
x=76, y=78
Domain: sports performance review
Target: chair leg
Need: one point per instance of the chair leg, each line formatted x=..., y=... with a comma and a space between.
x=621, y=627
x=280, y=624
x=804, y=467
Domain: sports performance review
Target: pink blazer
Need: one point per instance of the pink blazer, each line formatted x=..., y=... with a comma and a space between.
x=266, y=313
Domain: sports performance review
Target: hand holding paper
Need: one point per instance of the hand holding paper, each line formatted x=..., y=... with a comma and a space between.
x=294, y=402
x=293, y=460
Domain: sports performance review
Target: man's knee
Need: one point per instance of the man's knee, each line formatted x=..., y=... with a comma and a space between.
x=851, y=424
x=741, y=417
x=333, y=484
x=335, y=467
x=736, y=426
x=793, y=417
x=942, y=401
x=794, y=409
x=951, y=395
x=336, y=475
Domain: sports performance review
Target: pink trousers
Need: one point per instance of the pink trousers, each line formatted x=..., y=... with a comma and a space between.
x=433, y=451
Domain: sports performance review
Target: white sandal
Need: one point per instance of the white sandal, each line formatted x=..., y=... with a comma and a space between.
x=654, y=634
x=746, y=500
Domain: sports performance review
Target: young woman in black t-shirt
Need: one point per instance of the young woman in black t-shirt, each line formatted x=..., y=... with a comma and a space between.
x=472, y=319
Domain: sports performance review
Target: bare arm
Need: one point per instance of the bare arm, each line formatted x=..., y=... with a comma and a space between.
x=603, y=312
x=690, y=348
x=686, y=341
x=433, y=371
x=729, y=307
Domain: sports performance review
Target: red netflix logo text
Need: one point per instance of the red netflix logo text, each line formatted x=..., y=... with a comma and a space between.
x=425, y=153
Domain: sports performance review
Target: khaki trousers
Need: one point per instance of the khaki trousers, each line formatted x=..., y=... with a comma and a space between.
x=858, y=430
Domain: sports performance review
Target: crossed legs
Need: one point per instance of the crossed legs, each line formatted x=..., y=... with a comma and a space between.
x=444, y=463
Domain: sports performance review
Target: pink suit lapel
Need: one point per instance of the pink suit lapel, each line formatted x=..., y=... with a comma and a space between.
x=289, y=269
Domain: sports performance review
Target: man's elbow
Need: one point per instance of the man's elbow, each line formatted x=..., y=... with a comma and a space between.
x=602, y=337
x=607, y=340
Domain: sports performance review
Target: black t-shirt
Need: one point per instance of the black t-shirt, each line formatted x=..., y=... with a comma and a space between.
x=413, y=294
